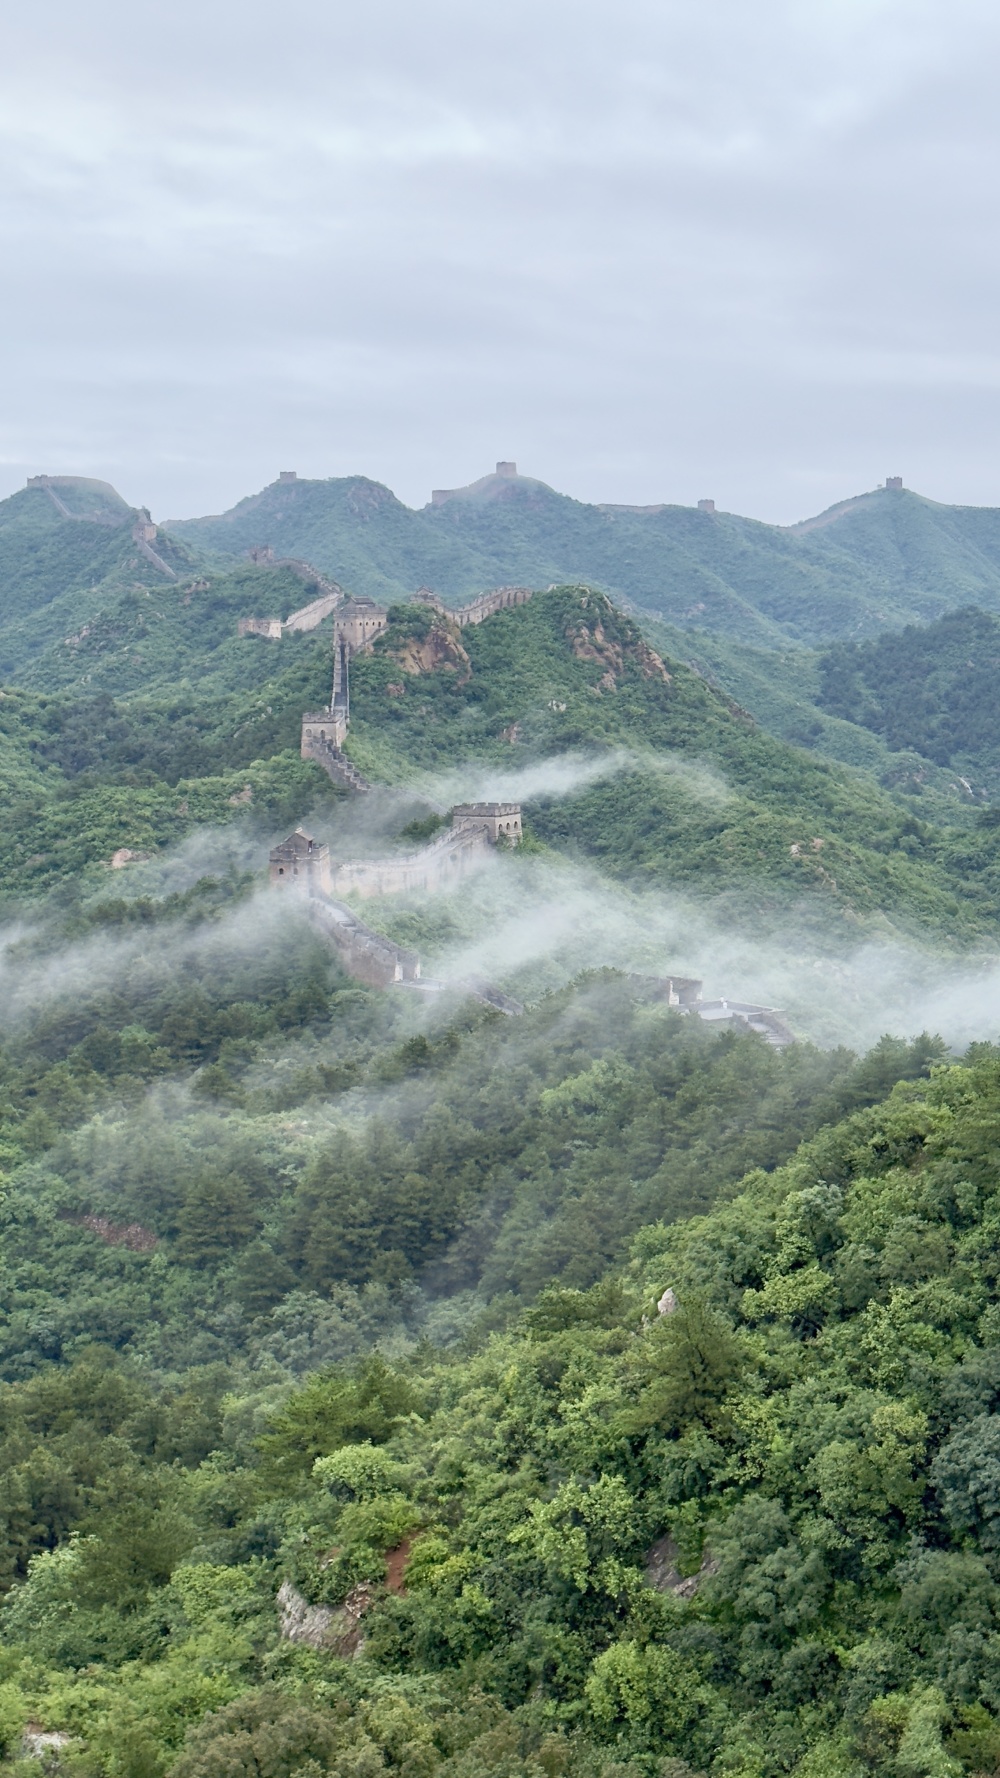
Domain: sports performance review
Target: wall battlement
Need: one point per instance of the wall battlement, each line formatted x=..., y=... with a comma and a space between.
x=485, y=605
x=436, y=866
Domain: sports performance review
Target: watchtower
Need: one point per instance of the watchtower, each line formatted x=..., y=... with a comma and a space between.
x=894, y=484
x=358, y=622
x=300, y=862
x=498, y=821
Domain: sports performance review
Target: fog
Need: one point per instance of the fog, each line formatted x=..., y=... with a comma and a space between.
x=529, y=924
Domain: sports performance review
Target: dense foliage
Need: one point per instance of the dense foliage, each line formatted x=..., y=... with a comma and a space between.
x=424, y=1392
x=202, y=1121
x=753, y=1535
x=930, y=690
x=755, y=818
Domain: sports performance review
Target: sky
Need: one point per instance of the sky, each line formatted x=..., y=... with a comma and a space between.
x=649, y=250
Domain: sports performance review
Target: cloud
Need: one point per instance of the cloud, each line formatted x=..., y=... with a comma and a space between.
x=651, y=251
x=535, y=923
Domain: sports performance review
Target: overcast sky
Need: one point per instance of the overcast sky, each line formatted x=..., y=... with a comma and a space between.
x=650, y=250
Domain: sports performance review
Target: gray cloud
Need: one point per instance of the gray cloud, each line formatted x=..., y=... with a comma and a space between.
x=651, y=250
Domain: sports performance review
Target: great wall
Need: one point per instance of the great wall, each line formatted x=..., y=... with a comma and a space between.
x=302, y=865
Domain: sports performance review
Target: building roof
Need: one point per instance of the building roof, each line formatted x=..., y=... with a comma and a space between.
x=300, y=841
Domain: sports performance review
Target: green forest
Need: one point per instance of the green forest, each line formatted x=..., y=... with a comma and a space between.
x=396, y=1387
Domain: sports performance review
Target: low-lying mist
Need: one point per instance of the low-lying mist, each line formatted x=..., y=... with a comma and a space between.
x=531, y=922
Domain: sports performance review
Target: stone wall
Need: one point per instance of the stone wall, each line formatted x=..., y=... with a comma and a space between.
x=260, y=626
x=436, y=866
x=310, y=616
x=320, y=743
x=495, y=821
x=364, y=954
x=500, y=598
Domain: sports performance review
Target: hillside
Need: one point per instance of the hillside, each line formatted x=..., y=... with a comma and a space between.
x=885, y=559
x=930, y=690
x=701, y=800
x=880, y=561
x=761, y=822
x=753, y=1531
x=914, y=708
x=390, y=1388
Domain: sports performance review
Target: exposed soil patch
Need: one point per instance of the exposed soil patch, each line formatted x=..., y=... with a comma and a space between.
x=395, y=1566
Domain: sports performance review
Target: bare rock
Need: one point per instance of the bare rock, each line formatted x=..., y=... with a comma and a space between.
x=337, y=1628
x=43, y=1744
x=664, y=1575
x=124, y=856
x=667, y=1303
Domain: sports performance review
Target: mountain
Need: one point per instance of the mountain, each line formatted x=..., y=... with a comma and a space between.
x=881, y=560
x=694, y=795
x=931, y=690
x=394, y=1389
x=873, y=563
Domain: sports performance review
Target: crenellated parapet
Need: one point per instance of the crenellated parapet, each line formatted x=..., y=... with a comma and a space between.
x=500, y=598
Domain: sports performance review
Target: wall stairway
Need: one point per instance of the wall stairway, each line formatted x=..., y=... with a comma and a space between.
x=337, y=766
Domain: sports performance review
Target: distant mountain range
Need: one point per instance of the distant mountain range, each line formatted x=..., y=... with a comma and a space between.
x=878, y=561
x=870, y=564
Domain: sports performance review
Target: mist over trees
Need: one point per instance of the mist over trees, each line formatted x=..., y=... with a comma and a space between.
x=388, y=1387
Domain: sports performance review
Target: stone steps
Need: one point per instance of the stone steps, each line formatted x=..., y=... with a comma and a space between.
x=337, y=766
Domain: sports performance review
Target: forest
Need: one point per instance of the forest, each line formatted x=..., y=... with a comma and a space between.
x=389, y=1387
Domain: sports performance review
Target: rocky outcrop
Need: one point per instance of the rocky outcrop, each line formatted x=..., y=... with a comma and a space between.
x=336, y=1628
x=440, y=648
x=663, y=1572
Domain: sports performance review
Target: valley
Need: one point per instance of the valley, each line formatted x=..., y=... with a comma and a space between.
x=530, y=1375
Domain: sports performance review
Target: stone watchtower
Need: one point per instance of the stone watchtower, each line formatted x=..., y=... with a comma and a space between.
x=300, y=862
x=498, y=821
x=358, y=622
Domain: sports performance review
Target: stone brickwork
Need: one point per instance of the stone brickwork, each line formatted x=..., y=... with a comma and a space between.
x=260, y=626
x=358, y=622
x=300, y=862
x=309, y=617
x=436, y=866
x=366, y=955
x=496, y=821
x=499, y=598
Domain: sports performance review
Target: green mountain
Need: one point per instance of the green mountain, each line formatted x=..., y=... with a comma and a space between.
x=392, y=1389
x=730, y=1507
x=879, y=561
x=703, y=800
x=930, y=691
x=915, y=708
x=885, y=558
